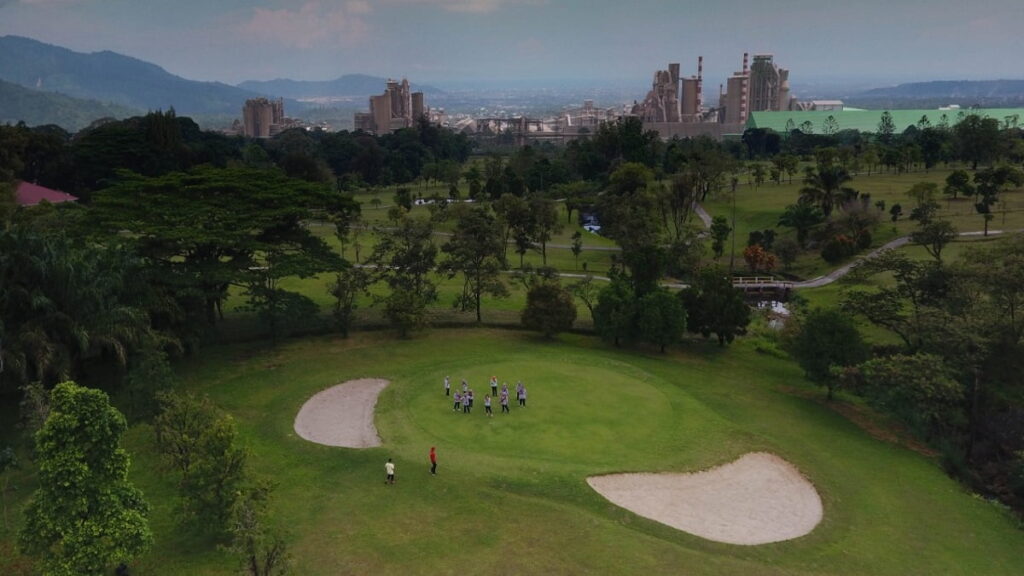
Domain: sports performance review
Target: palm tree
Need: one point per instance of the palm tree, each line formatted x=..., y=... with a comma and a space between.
x=824, y=187
x=62, y=303
x=801, y=217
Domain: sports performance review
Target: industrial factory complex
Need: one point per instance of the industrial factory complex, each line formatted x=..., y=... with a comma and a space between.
x=675, y=106
x=398, y=107
x=757, y=95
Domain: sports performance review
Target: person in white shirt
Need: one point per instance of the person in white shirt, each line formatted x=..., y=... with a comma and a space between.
x=389, y=469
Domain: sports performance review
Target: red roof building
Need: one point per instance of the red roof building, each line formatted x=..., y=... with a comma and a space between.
x=29, y=194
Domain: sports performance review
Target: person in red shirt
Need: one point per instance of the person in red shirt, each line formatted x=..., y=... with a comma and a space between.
x=433, y=460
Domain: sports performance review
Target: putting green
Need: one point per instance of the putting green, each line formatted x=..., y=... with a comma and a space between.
x=571, y=409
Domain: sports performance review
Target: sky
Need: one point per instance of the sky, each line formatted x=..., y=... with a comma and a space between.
x=460, y=43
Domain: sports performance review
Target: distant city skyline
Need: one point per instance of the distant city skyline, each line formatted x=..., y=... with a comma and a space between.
x=458, y=43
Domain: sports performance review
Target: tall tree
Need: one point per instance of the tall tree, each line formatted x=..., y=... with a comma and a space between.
x=201, y=444
x=958, y=183
x=513, y=221
x=802, y=217
x=615, y=311
x=720, y=231
x=661, y=318
x=977, y=139
x=549, y=309
x=825, y=187
x=679, y=201
x=906, y=305
x=404, y=258
x=85, y=515
x=886, y=128
x=934, y=237
x=208, y=229
x=349, y=284
x=546, y=223
x=714, y=306
x=475, y=251
x=827, y=339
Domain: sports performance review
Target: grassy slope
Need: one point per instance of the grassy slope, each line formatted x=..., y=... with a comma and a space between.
x=511, y=498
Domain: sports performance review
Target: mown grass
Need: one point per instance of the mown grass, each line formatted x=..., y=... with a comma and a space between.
x=511, y=496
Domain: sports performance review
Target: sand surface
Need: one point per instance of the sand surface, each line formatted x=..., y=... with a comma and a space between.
x=342, y=415
x=757, y=499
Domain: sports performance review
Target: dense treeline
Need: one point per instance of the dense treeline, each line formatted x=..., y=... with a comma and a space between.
x=162, y=142
x=955, y=376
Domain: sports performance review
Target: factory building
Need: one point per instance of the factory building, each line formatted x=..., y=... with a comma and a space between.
x=673, y=99
x=262, y=118
x=769, y=85
x=675, y=106
x=398, y=107
x=759, y=87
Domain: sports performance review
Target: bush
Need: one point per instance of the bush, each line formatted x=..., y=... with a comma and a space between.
x=549, y=309
x=838, y=248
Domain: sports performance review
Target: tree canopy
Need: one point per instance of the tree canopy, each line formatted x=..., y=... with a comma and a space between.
x=85, y=515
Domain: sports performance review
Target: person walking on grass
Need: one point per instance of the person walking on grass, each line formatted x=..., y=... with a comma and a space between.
x=465, y=404
x=389, y=470
x=465, y=386
x=504, y=401
x=522, y=396
x=447, y=386
x=458, y=402
x=487, y=406
x=433, y=461
x=494, y=385
x=470, y=398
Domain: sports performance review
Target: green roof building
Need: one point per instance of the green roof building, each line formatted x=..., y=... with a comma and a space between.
x=867, y=120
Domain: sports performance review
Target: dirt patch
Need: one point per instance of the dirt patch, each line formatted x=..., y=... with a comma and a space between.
x=342, y=415
x=757, y=499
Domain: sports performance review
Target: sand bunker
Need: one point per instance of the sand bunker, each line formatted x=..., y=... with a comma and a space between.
x=342, y=415
x=757, y=499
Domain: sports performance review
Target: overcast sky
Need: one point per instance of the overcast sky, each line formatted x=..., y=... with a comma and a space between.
x=444, y=42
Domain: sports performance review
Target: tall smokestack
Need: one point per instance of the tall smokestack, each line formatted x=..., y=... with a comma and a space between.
x=745, y=90
x=700, y=84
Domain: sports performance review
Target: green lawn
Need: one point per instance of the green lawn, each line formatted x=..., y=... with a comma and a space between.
x=759, y=208
x=511, y=496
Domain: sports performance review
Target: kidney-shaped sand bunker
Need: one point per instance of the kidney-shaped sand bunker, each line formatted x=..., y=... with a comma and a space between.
x=757, y=499
x=342, y=415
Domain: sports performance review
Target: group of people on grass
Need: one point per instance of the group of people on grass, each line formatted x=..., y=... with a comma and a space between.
x=464, y=400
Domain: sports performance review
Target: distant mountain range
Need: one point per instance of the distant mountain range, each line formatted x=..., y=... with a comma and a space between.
x=113, y=78
x=983, y=93
x=349, y=85
x=20, y=104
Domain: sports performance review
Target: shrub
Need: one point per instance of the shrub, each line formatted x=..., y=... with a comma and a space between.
x=838, y=248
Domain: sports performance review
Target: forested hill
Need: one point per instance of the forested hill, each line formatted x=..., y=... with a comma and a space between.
x=114, y=78
x=360, y=85
x=34, y=107
x=984, y=93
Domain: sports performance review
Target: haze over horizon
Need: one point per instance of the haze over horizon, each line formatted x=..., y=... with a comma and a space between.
x=490, y=43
